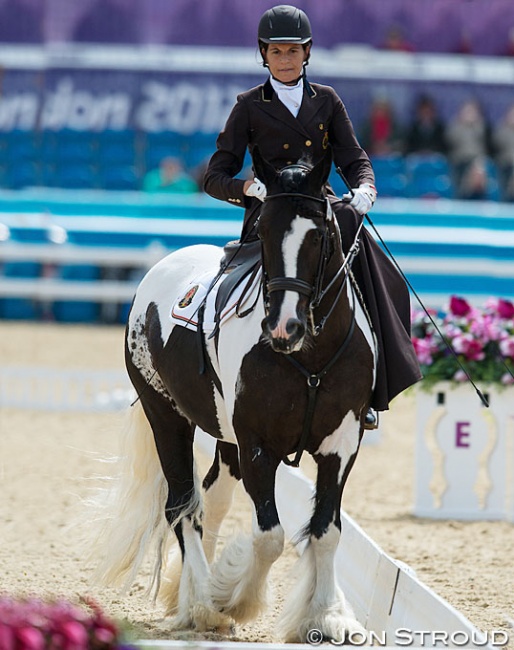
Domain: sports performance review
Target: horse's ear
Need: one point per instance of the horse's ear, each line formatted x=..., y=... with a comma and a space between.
x=321, y=171
x=264, y=171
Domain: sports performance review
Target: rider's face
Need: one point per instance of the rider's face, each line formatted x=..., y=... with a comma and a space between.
x=285, y=60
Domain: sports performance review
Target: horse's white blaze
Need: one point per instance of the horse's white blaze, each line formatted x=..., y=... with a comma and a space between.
x=344, y=441
x=291, y=245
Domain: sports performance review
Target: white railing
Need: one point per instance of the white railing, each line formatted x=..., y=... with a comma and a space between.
x=64, y=390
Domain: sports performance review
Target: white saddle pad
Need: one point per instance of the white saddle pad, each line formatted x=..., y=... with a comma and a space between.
x=185, y=310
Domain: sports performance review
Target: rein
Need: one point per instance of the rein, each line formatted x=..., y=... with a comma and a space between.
x=313, y=384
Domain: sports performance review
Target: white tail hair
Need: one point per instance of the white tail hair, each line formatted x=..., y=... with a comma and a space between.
x=131, y=511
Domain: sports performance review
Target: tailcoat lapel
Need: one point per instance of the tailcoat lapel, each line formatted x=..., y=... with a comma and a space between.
x=311, y=104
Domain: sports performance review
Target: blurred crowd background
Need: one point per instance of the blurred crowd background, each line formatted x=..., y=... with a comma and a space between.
x=480, y=27
x=115, y=128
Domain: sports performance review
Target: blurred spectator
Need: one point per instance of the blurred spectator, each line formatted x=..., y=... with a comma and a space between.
x=395, y=40
x=509, y=50
x=21, y=22
x=380, y=133
x=468, y=137
x=465, y=44
x=475, y=181
x=426, y=131
x=503, y=143
x=107, y=21
x=170, y=176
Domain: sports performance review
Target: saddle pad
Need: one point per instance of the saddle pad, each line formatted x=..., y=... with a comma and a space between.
x=184, y=311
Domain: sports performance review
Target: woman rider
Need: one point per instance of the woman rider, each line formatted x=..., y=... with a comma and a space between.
x=287, y=117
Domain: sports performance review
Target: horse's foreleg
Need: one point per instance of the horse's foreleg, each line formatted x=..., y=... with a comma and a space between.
x=317, y=602
x=239, y=581
x=219, y=484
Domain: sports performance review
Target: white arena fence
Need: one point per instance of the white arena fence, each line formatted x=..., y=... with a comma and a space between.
x=64, y=390
x=393, y=605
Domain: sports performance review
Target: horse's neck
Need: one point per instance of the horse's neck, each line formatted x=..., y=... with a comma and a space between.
x=337, y=304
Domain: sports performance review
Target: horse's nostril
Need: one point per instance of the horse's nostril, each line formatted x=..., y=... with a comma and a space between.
x=295, y=328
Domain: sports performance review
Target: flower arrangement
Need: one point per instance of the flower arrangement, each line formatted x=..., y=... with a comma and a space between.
x=34, y=624
x=482, y=338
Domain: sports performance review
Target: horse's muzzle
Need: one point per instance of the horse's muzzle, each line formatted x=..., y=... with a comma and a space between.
x=285, y=339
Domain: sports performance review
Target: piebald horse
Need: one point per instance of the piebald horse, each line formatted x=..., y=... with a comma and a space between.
x=295, y=374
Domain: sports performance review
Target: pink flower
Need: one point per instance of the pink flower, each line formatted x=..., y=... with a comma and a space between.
x=423, y=348
x=460, y=376
x=469, y=346
x=507, y=347
x=507, y=379
x=505, y=309
x=30, y=638
x=75, y=635
x=7, y=641
x=459, y=306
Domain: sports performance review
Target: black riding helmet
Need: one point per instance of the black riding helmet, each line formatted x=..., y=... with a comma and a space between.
x=284, y=24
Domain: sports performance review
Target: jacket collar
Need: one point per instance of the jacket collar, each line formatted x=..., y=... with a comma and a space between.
x=271, y=104
x=268, y=92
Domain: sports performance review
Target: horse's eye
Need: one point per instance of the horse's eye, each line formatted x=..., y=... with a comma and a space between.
x=316, y=237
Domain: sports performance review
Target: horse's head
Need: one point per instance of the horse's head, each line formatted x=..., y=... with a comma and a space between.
x=294, y=228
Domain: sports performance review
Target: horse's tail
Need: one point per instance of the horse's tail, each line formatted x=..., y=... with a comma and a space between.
x=131, y=510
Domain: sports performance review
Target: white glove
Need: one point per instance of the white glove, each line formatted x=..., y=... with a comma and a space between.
x=363, y=197
x=257, y=189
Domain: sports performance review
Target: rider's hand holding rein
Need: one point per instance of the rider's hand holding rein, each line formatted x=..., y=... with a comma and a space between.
x=255, y=188
x=362, y=198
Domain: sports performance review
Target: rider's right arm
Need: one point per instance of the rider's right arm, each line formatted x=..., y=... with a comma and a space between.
x=228, y=159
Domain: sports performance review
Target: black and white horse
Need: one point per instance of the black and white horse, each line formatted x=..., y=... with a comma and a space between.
x=295, y=374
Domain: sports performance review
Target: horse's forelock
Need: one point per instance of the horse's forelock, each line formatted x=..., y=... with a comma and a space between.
x=293, y=178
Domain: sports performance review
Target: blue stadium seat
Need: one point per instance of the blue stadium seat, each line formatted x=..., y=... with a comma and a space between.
x=121, y=177
x=20, y=174
x=117, y=136
x=20, y=308
x=116, y=153
x=429, y=176
x=73, y=176
x=392, y=185
x=433, y=164
x=430, y=186
x=77, y=311
x=388, y=164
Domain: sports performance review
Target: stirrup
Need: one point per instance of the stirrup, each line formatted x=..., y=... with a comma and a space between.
x=371, y=420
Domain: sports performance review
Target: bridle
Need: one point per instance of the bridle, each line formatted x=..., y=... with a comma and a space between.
x=314, y=292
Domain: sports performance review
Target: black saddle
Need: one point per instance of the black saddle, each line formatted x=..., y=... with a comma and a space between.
x=239, y=262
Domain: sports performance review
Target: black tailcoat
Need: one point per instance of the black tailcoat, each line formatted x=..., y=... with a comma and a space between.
x=260, y=119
